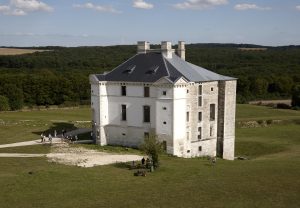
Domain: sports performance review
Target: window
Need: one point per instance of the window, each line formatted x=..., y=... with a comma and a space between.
x=200, y=90
x=187, y=91
x=199, y=116
x=164, y=145
x=200, y=148
x=199, y=133
x=165, y=122
x=146, y=92
x=212, y=112
x=123, y=90
x=164, y=92
x=146, y=134
x=211, y=131
x=187, y=116
x=146, y=114
x=187, y=135
x=200, y=101
x=123, y=112
x=212, y=89
x=164, y=108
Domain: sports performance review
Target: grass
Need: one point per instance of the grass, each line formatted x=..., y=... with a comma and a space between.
x=254, y=112
x=269, y=179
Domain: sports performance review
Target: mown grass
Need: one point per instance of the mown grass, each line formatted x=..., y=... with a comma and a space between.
x=254, y=112
x=269, y=179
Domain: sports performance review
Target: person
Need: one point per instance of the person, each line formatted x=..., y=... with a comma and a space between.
x=55, y=133
x=148, y=164
x=42, y=137
x=50, y=138
x=143, y=161
x=76, y=138
x=213, y=160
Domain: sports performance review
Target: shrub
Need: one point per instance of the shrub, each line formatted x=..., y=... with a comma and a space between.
x=4, y=104
x=269, y=122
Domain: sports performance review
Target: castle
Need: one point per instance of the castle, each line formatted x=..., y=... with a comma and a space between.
x=156, y=92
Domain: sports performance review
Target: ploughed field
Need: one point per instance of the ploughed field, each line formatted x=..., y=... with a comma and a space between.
x=17, y=51
x=269, y=178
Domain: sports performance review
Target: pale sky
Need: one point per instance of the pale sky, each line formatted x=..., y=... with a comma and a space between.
x=113, y=22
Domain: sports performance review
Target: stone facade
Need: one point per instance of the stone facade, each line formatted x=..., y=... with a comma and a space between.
x=191, y=118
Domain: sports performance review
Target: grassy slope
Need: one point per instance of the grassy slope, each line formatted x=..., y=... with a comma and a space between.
x=253, y=112
x=269, y=179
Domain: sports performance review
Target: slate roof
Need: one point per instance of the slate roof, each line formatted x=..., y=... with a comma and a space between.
x=152, y=66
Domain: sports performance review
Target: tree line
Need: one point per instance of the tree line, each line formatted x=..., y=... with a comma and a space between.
x=59, y=76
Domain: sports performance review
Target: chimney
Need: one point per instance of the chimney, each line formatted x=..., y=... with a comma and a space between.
x=181, y=49
x=143, y=46
x=166, y=49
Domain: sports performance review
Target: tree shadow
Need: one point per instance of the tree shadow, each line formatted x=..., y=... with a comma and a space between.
x=58, y=127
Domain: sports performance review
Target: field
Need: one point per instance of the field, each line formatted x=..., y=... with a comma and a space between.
x=17, y=51
x=270, y=178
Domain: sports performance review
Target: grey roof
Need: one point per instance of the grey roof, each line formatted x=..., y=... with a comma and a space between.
x=150, y=67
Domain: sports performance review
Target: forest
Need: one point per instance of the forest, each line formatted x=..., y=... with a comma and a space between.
x=59, y=76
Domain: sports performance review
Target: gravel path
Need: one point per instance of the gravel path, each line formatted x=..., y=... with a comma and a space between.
x=63, y=153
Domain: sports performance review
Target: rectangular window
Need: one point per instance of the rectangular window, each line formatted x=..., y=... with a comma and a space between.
x=146, y=114
x=146, y=134
x=123, y=90
x=200, y=90
x=200, y=148
x=146, y=92
x=199, y=133
x=164, y=145
x=123, y=112
x=199, y=116
x=211, y=131
x=187, y=116
x=212, y=112
x=164, y=93
x=200, y=101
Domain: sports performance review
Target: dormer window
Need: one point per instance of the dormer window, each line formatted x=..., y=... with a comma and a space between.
x=152, y=70
x=129, y=69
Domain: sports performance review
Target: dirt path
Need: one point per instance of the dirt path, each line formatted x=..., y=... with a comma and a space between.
x=63, y=153
x=21, y=155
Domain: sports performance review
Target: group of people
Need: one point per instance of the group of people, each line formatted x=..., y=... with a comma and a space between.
x=43, y=138
x=64, y=136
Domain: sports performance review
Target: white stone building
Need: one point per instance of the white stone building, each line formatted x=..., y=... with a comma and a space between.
x=190, y=109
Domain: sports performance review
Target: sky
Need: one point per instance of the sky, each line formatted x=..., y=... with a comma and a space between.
x=114, y=22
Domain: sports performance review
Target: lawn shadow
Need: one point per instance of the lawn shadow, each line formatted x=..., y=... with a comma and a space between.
x=58, y=127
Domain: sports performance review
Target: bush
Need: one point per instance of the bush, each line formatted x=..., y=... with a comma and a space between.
x=152, y=147
x=269, y=122
x=4, y=104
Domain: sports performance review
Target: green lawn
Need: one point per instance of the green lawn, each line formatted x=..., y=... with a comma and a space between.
x=270, y=178
x=254, y=112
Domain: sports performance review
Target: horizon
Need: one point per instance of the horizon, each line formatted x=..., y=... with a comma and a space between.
x=33, y=23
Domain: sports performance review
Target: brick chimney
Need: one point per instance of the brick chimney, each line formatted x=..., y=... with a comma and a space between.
x=181, y=49
x=166, y=49
x=143, y=46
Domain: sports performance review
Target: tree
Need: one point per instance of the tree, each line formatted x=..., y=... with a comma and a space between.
x=14, y=95
x=296, y=96
x=4, y=104
x=152, y=147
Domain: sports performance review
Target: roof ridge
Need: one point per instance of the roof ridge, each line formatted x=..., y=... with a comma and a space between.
x=165, y=65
